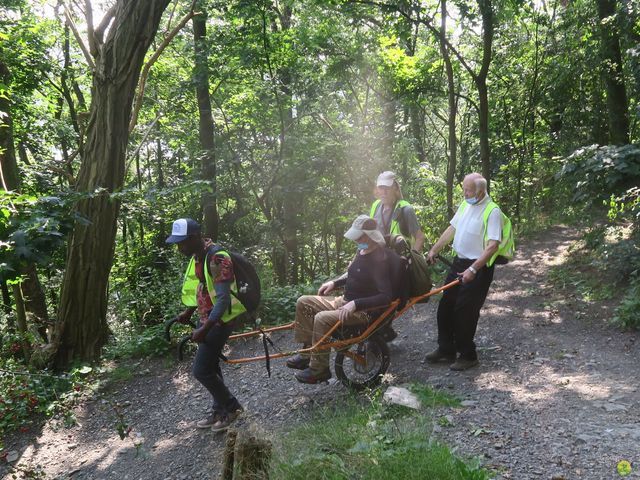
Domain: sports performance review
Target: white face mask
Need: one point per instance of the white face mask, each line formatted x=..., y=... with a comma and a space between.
x=472, y=200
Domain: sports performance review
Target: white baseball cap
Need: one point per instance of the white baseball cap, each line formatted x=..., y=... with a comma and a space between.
x=386, y=179
x=182, y=228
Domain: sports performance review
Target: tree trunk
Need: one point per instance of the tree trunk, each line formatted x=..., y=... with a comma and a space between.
x=291, y=196
x=617, y=103
x=453, y=111
x=35, y=303
x=246, y=457
x=8, y=165
x=21, y=318
x=82, y=329
x=486, y=10
x=599, y=127
x=416, y=131
x=34, y=300
x=6, y=305
x=389, y=124
x=206, y=126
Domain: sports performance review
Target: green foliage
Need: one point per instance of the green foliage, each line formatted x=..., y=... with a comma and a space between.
x=597, y=172
x=145, y=289
x=278, y=304
x=628, y=312
x=604, y=265
x=370, y=441
x=434, y=398
x=34, y=228
x=626, y=205
x=307, y=109
x=25, y=394
x=139, y=344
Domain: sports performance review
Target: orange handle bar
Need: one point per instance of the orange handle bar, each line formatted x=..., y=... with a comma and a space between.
x=319, y=346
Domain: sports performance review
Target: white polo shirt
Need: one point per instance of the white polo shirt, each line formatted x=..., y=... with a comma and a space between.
x=468, y=241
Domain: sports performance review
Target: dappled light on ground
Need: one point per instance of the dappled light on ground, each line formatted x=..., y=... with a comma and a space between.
x=545, y=385
x=555, y=393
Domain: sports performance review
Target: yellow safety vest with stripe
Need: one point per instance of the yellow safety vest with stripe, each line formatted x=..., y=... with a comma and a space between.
x=394, y=229
x=190, y=289
x=507, y=245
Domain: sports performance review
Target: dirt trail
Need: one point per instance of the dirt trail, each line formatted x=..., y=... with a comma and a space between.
x=556, y=394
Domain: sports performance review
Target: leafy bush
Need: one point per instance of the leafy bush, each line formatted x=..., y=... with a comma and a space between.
x=628, y=312
x=24, y=394
x=34, y=229
x=145, y=281
x=278, y=304
x=626, y=205
x=136, y=344
x=597, y=172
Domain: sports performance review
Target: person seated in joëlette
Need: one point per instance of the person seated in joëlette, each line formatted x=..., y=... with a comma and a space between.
x=366, y=286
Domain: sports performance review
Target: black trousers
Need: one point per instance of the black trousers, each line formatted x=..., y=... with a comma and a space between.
x=206, y=368
x=459, y=310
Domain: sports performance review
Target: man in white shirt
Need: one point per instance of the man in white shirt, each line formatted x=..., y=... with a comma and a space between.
x=475, y=241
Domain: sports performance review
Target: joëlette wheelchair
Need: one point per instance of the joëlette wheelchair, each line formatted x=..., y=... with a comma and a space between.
x=362, y=356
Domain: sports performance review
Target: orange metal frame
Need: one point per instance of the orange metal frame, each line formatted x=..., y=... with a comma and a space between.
x=321, y=346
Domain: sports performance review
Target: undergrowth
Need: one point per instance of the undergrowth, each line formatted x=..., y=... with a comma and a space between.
x=370, y=441
x=26, y=396
x=605, y=265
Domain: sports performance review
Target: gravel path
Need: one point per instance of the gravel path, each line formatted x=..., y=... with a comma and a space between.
x=555, y=397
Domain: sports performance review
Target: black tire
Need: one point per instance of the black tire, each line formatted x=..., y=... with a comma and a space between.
x=358, y=377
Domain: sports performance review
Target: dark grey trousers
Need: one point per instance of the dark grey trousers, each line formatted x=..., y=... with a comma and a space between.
x=459, y=310
x=206, y=368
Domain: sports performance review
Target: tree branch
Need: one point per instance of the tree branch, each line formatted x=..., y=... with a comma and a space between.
x=76, y=34
x=98, y=33
x=147, y=67
x=88, y=15
x=144, y=139
x=468, y=99
x=426, y=21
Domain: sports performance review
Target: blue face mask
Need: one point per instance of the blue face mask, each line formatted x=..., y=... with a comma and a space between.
x=363, y=246
x=472, y=200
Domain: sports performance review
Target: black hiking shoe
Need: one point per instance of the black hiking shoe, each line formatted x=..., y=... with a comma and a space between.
x=438, y=357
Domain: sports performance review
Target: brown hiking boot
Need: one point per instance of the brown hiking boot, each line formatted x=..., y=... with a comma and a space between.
x=209, y=421
x=308, y=376
x=464, y=364
x=298, y=362
x=438, y=357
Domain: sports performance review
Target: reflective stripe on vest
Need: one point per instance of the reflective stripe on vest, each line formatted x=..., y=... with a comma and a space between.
x=395, y=224
x=485, y=221
x=190, y=289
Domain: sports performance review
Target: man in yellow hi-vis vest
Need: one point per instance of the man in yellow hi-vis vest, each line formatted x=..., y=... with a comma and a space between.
x=476, y=239
x=207, y=288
